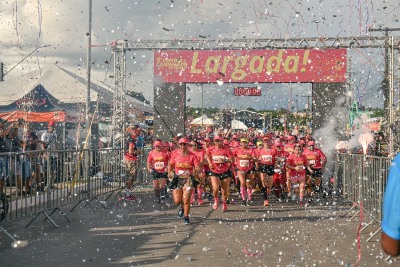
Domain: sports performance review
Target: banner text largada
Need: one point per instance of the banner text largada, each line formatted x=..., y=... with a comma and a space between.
x=283, y=65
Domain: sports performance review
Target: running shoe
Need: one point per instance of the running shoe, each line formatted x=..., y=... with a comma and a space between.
x=301, y=203
x=180, y=212
x=244, y=203
x=215, y=205
x=158, y=200
x=228, y=201
x=186, y=220
x=224, y=207
x=210, y=197
x=266, y=203
x=249, y=203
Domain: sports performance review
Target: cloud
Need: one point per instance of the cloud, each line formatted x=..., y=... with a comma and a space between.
x=26, y=25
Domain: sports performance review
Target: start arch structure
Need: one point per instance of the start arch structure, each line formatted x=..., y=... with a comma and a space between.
x=320, y=61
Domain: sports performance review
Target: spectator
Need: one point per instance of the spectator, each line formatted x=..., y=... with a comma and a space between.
x=390, y=239
x=130, y=159
x=381, y=146
x=14, y=144
x=31, y=143
x=49, y=144
x=4, y=148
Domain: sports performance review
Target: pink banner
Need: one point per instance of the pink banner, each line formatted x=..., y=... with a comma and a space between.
x=237, y=66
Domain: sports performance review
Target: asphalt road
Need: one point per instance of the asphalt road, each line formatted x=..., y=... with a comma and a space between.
x=142, y=232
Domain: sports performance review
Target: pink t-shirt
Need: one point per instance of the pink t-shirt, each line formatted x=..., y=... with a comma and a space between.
x=184, y=163
x=244, y=158
x=158, y=160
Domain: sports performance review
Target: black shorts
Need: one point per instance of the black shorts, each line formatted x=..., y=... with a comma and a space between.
x=246, y=172
x=159, y=175
x=316, y=173
x=221, y=176
x=208, y=173
x=179, y=183
x=268, y=169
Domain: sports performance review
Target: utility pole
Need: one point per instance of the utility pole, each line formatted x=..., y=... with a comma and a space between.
x=1, y=72
x=308, y=109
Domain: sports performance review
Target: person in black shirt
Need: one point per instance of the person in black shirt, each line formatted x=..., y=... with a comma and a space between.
x=4, y=131
x=31, y=166
x=381, y=146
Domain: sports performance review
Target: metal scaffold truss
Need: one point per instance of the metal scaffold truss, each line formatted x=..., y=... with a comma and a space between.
x=225, y=44
x=390, y=43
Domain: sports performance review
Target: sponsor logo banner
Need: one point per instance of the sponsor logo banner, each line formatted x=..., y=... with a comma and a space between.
x=282, y=65
x=247, y=91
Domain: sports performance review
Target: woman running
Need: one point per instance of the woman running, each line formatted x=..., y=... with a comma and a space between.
x=219, y=159
x=181, y=168
x=157, y=163
x=244, y=161
x=297, y=164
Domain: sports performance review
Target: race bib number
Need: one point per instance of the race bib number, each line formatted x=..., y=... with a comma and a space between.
x=281, y=159
x=277, y=170
x=267, y=158
x=244, y=163
x=219, y=159
x=159, y=165
x=183, y=174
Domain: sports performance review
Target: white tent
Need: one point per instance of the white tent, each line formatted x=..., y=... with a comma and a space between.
x=65, y=86
x=238, y=125
x=202, y=121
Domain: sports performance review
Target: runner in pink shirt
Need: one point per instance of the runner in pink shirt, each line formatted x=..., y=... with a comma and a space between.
x=265, y=164
x=157, y=163
x=219, y=159
x=244, y=162
x=317, y=161
x=297, y=164
x=280, y=170
x=181, y=168
x=201, y=155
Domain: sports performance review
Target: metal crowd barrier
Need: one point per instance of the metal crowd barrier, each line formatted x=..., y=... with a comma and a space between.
x=361, y=180
x=42, y=182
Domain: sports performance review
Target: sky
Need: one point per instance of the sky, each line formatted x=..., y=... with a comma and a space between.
x=27, y=25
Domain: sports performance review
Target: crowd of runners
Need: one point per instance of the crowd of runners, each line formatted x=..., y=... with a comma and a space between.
x=285, y=167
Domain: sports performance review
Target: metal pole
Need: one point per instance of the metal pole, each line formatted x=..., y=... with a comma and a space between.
x=202, y=106
x=87, y=119
x=1, y=71
x=89, y=64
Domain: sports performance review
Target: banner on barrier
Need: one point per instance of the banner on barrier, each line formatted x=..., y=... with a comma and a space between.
x=281, y=65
